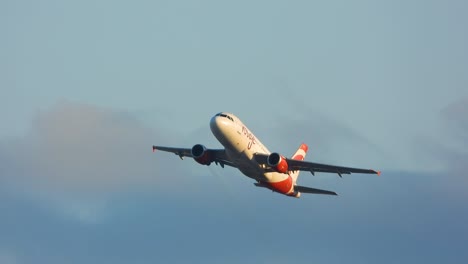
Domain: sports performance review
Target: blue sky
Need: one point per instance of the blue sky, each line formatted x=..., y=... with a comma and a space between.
x=88, y=86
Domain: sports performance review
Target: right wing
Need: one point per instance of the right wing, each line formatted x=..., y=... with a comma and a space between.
x=218, y=155
x=315, y=167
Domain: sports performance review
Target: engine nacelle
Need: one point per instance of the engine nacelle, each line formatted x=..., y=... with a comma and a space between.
x=277, y=162
x=201, y=155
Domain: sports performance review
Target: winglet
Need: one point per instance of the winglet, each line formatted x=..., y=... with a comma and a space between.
x=154, y=148
x=377, y=172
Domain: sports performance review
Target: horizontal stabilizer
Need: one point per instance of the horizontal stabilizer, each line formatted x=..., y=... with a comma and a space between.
x=303, y=189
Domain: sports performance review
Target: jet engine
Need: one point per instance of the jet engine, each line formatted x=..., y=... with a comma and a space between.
x=277, y=162
x=201, y=155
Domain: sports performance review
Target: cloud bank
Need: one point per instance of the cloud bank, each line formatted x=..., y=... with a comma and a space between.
x=455, y=156
x=77, y=155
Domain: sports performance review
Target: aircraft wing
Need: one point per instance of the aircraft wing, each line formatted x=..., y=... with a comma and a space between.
x=304, y=189
x=219, y=155
x=313, y=167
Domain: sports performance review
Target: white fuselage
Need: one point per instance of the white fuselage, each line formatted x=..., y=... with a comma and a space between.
x=241, y=145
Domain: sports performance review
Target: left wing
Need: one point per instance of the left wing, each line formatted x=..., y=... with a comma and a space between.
x=304, y=189
x=218, y=155
x=313, y=167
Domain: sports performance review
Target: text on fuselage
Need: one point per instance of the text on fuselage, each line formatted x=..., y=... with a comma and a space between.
x=249, y=136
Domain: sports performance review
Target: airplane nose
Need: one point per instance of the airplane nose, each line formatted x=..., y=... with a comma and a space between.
x=218, y=125
x=215, y=124
x=223, y=126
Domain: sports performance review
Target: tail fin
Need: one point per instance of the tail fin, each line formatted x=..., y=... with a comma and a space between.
x=299, y=155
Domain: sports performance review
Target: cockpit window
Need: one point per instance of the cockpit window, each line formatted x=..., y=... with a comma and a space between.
x=226, y=116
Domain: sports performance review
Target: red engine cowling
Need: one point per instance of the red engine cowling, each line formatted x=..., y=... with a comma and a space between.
x=201, y=155
x=277, y=162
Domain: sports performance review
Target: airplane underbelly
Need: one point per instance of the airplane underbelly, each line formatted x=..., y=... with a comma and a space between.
x=275, y=176
x=240, y=149
x=246, y=165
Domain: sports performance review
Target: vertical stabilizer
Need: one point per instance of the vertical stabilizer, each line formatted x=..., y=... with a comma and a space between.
x=299, y=155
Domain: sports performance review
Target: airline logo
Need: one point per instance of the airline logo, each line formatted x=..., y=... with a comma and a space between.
x=250, y=136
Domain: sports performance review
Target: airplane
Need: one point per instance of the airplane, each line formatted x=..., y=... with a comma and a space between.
x=271, y=170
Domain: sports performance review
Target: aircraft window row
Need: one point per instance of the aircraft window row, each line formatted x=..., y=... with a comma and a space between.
x=228, y=117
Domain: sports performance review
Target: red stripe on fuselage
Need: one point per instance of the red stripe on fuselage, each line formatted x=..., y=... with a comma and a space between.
x=283, y=186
